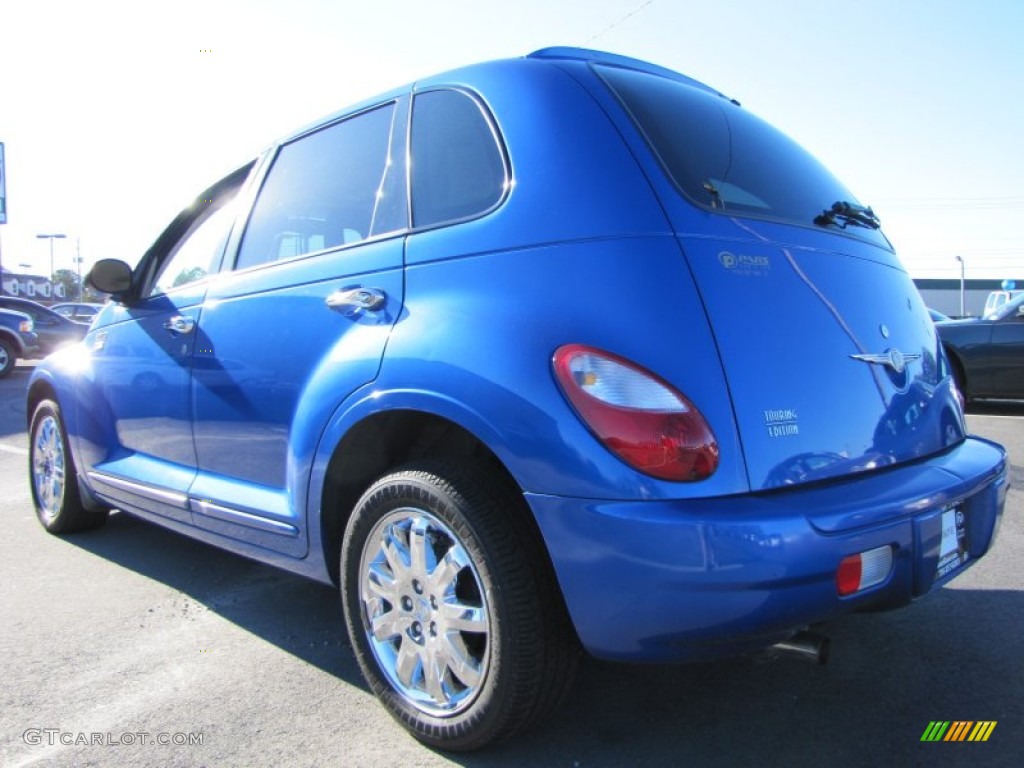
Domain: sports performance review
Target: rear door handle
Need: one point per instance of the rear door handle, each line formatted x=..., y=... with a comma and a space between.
x=351, y=299
x=180, y=324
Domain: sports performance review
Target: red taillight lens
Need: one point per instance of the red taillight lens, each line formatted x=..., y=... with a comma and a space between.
x=640, y=418
x=865, y=569
x=848, y=575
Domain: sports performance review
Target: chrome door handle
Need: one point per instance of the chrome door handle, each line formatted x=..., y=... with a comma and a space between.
x=180, y=324
x=352, y=299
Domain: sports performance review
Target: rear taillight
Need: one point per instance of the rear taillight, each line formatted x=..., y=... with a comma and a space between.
x=640, y=418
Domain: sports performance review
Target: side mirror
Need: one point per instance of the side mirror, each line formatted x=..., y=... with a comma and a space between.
x=110, y=276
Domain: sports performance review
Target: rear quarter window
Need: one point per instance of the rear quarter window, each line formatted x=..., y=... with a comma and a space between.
x=458, y=167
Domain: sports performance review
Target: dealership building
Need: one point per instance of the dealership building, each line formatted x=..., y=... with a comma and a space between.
x=944, y=294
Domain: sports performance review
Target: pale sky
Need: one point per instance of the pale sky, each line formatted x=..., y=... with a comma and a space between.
x=114, y=114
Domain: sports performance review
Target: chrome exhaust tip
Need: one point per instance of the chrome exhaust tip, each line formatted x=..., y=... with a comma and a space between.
x=804, y=645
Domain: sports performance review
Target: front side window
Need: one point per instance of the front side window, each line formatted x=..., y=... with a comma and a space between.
x=198, y=253
x=325, y=190
x=722, y=157
x=458, y=168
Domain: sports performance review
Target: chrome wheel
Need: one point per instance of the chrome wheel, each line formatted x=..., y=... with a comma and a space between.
x=48, y=466
x=425, y=611
x=54, y=479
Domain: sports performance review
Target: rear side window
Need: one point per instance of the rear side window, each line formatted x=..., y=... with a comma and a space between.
x=722, y=157
x=458, y=168
x=325, y=190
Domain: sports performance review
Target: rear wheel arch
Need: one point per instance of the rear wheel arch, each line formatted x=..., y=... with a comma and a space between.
x=381, y=442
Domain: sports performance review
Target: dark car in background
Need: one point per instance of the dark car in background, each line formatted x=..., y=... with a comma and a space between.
x=54, y=330
x=79, y=311
x=987, y=353
x=17, y=339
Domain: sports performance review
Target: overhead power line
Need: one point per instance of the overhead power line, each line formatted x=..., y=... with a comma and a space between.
x=618, y=21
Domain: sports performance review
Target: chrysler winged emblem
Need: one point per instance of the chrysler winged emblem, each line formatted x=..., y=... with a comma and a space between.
x=893, y=359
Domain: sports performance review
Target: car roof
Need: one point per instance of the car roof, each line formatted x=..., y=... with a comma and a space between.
x=554, y=53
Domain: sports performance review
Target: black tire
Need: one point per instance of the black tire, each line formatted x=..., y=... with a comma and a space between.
x=8, y=357
x=53, y=477
x=488, y=613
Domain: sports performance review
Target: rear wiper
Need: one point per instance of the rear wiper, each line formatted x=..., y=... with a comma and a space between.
x=716, y=196
x=849, y=213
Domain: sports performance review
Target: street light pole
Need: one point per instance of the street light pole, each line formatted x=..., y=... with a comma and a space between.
x=53, y=282
x=78, y=266
x=961, y=260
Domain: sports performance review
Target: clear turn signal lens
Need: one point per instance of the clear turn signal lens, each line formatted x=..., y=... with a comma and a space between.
x=640, y=418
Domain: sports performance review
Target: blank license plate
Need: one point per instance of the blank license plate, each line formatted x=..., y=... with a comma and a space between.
x=953, y=547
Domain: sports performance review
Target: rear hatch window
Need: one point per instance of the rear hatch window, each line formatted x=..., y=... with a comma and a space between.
x=723, y=158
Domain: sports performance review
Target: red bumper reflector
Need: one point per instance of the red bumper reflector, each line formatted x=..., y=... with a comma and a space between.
x=863, y=570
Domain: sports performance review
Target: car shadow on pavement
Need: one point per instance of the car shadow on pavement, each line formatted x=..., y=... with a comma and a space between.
x=953, y=656
x=298, y=615
x=12, y=401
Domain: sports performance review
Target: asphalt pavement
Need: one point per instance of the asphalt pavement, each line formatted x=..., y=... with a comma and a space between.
x=133, y=646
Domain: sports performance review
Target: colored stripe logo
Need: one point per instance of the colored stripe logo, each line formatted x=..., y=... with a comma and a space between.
x=959, y=730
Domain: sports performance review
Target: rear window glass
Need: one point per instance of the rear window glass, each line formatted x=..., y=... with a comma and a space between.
x=325, y=190
x=722, y=157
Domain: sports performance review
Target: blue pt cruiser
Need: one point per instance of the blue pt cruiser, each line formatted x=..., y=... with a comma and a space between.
x=557, y=353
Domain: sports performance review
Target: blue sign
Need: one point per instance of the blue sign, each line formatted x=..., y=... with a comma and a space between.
x=1009, y=285
x=3, y=187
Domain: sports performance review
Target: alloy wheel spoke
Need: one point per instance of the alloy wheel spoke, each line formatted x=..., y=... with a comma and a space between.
x=443, y=578
x=464, y=618
x=460, y=662
x=380, y=583
x=433, y=671
x=396, y=554
x=388, y=625
x=407, y=662
x=422, y=555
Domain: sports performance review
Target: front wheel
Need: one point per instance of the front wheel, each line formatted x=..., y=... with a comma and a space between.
x=452, y=608
x=8, y=357
x=54, y=479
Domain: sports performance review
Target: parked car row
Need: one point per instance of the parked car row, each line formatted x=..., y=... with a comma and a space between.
x=17, y=339
x=49, y=332
x=987, y=353
x=80, y=311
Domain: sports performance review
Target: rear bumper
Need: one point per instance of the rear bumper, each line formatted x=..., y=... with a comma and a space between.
x=703, y=578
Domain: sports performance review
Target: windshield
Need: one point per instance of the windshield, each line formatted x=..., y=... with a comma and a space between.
x=1009, y=308
x=722, y=157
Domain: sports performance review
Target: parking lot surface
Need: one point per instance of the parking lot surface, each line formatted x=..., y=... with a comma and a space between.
x=133, y=646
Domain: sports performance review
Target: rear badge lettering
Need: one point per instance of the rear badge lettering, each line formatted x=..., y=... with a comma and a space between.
x=741, y=264
x=781, y=422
